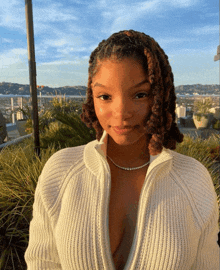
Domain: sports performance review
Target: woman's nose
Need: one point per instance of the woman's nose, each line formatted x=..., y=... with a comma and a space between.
x=122, y=108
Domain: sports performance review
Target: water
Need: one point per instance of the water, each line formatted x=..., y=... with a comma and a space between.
x=206, y=95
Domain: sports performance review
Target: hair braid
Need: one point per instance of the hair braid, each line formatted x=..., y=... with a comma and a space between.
x=160, y=126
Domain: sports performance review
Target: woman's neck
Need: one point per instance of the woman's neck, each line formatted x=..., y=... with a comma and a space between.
x=128, y=155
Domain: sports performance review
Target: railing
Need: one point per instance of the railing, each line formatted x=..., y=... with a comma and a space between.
x=15, y=141
x=12, y=127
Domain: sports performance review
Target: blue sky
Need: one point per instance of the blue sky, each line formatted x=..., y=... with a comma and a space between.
x=67, y=31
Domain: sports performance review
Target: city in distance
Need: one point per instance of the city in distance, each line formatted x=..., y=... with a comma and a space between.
x=7, y=88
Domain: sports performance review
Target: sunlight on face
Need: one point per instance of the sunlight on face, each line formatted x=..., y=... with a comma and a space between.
x=122, y=98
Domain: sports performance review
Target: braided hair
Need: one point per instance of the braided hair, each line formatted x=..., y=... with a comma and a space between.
x=161, y=128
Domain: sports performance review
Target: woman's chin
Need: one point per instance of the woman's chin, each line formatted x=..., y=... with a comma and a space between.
x=126, y=139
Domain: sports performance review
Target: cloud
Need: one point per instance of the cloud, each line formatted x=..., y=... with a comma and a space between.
x=211, y=14
x=183, y=51
x=12, y=14
x=113, y=10
x=124, y=14
x=205, y=30
x=62, y=44
x=63, y=72
x=13, y=56
x=45, y=14
x=67, y=46
x=53, y=12
x=143, y=4
x=14, y=66
x=7, y=40
x=180, y=3
x=56, y=42
x=71, y=50
x=60, y=63
x=170, y=40
x=118, y=11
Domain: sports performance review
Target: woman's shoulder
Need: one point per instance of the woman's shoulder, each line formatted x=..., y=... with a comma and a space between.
x=184, y=163
x=67, y=154
x=56, y=168
x=192, y=171
x=195, y=181
x=64, y=158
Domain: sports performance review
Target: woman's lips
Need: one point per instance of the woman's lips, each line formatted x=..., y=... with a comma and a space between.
x=121, y=130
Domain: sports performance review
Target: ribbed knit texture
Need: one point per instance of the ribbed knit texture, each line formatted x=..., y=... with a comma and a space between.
x=177, y=222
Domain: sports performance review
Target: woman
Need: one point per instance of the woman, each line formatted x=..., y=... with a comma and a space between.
x=126, y=200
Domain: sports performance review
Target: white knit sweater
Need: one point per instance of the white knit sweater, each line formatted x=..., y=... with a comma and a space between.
x=177, y=223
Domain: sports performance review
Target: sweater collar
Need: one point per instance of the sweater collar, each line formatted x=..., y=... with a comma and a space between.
x=96, y=149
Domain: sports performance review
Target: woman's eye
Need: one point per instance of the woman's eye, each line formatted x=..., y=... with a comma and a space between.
x=103, y=97
x=142, y=94
x=139, y=95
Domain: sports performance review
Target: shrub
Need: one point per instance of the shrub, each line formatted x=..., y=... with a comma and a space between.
x=217, y=125
x=67, y=130
x=19, y=172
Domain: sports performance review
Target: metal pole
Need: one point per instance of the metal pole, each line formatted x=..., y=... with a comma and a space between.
x=32, y=73
x=12, y=108
x=219, y=104
x=219, y=153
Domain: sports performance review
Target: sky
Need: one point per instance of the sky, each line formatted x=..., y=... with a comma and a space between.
x=67, y=31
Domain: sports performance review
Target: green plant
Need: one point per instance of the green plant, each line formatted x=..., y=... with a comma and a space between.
x=44, y=119
x=216, y=125
x=202, y=107
x=57, y=108
x=19, y=172
x=67, y=129
x=60, y=104
x=62, y=135
x=214, y=152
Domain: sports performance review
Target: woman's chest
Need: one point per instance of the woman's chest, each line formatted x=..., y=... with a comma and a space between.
x=122, y=205
x=165, y=226
x=123, y=209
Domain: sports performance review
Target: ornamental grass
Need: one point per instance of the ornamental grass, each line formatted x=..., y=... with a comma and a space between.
x=19, y=172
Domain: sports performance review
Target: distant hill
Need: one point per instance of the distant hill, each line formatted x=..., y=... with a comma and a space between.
x=200, y=89
x=7, y=88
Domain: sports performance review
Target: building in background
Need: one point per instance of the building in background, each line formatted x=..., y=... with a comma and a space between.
x=180, y=111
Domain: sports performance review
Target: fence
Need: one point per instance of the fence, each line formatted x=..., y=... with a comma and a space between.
x=14, y=141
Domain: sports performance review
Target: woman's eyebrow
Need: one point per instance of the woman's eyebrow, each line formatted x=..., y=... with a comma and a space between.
x=140, y=83
x=135, y=86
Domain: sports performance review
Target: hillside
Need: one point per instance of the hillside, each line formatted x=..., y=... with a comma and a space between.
x=200, y=89
x=7, y=88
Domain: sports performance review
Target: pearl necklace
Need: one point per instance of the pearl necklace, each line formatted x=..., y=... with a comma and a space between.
x=129, y=169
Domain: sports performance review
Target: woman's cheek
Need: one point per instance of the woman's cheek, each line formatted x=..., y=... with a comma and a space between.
x=108, y=115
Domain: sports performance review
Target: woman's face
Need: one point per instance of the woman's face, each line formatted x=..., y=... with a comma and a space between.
x=122, y=98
